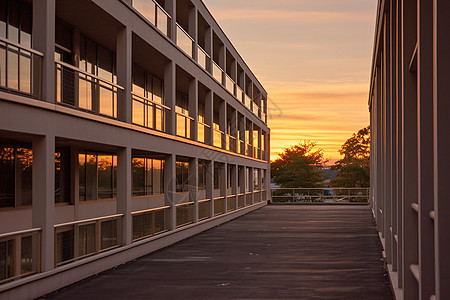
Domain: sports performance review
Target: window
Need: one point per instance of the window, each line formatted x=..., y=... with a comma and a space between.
x=15, y=64
x=15, y=176
x=148, y=176
x=148, y=88
x=98, y=176
x=247, y=179
x=229, y=177
x=182, y=184
x=62, y=176
x=255, y=179
x=183, y=119
x=217, y=176
x=201, y=176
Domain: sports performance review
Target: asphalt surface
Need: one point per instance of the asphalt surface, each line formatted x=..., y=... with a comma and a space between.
x=277, y=252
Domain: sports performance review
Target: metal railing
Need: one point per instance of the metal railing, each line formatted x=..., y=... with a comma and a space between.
x=19, y=254
x=203, y=58
x=320, y=195
x=248, y=198
x=83, y=90
x=217, y=137
x=154, y=13
x=241, y=200
x=217, y=72
x=231, y=143
x=185, y=214
x=183, y=125
x=247, y=101
x=255, y=109
x=185, y=41
x=203, y=132
x=204, y=209
x=239, y=94
x=80, y=239
x=20, y=68
x=219, y=206
x=150, y=222
x=231, y=203
x=148, y=113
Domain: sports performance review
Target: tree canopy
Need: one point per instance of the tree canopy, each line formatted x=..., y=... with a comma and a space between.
x=299, y=166
x=354, y=168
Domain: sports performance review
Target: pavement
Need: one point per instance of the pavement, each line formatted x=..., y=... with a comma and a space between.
x=277, y=252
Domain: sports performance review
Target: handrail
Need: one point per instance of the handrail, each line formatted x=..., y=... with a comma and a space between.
x=217, y=65
x=149, y=210
x=218, y=130
x=149, y=100
x=162, y=9
x=20, y=232
x=219, y=198
x=204, y=124
x=184, y=115
x=73, y=68
x=231, y=196
x=202, y=201
x=204, y=52
x=185, y=32
x=229, y=77
x=184, y=204
x=233, y=137
x=28, y=49
x=88, y=220
x=340, y=188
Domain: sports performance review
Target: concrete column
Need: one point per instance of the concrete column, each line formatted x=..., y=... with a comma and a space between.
x=193, y=32
x=124, y=190
x=210, y=185
x=223, y=122
x=410, y=177
x=441, y=106
x=259, y=143
x=379, y=150
x=387, y=139
x=44, y=41
x=425, y=150
x=193, y=107
x=209, y=48
x=43, y=214
x=223, y=62
x=209, y=116
x=171, y=8
x=193, y=185
x=170, y=188
x=223, y=182
x=170, y=86
x=75, y=180
x=124, y=61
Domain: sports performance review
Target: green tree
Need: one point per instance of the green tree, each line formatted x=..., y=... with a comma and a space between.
x=299, y=166
x=354, y=169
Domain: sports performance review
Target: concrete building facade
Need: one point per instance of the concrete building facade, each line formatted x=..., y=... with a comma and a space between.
x=410, y=160
x=125, y=126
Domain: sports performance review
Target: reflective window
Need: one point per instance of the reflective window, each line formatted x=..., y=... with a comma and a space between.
x=217, y=176
x=202, y=176
x=182, y=176
x=148, y=176
x=97, y=176
x=62, y=176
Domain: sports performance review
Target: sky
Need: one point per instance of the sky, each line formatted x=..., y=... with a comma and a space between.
x=313, y=57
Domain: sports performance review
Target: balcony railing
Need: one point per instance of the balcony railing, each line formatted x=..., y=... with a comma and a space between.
x=185, y=41
x=217, y=72
x=239, y=94
x=256, y=152
x=248, y=198
x=19, y=254
x=185, y=214
x=20, y=68
x=80, y=239
x=184, y=124
x=229, y=84
x=203, y=58
x=217, y=138
x=148, y=113
x=231, y=143
x=247, y=101
x=231, y=203
x=321, y=195
x=150, y=222
x=248, y=149
x=94, y=94
x=204, y=209
x=219, y=206
x=241, y=147
x=255, y=109
x=241, y=200
x=203, y=132
x=154, y=13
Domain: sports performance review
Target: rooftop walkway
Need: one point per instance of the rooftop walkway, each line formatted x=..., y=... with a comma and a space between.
x=277, y=252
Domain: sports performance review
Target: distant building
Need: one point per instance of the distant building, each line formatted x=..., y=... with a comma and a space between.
x=409, y=108
x=125, y=126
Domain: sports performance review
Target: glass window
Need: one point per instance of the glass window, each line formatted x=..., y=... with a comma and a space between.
x=182, y=176
x=62, y=176
x=217, y=176
x=201, y=176
x=158, y=177
x=98, y=176
x=105, y=176
x=91, y=177
x=147, y=176
x=7, y=177
x=256, y=179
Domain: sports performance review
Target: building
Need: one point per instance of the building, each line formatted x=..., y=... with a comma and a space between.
x=410, y=173
x=125, y=126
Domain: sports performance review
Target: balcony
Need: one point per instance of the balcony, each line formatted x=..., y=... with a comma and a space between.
x=231, y=143
x=20, y=69
x=148, y=113
x=94, y=94
x=217, y=72
x=229, y=84
x=203, y=132
x=184, y=122
x=248, y=101
x=217, y=137
x=147, y=223
x=255, y=109
x=203, y=58
x=240, y=94
x=185, y=214
x=185, y=41
x=154, y=13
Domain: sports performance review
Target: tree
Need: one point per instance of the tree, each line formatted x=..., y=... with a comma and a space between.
x=354, y=168
x=299, y=166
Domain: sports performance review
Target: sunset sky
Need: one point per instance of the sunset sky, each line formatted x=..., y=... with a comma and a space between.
x=313, y=57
